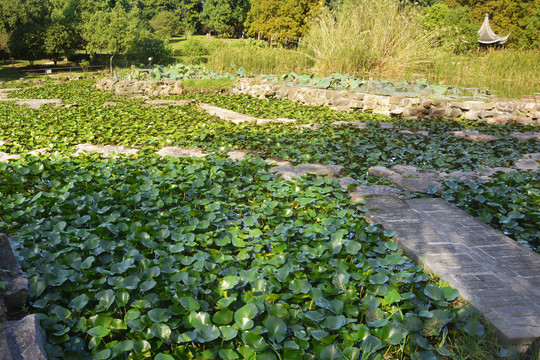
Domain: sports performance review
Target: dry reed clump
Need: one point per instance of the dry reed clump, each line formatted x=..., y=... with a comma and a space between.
x=378, y=37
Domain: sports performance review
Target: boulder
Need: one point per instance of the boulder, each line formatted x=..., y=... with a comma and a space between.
x=23, y=339
x=15, y=296
x=291, y=172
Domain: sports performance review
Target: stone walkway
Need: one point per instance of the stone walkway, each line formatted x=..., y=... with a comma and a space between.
x=496, y=275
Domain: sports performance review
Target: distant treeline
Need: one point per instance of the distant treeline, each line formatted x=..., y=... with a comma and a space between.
x=136, y=29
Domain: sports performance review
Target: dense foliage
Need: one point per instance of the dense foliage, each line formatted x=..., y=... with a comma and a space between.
x=168, y=258
x=134, y=125
x=211, y=258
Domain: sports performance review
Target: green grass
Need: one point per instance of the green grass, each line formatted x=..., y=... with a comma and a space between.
x=208, y=84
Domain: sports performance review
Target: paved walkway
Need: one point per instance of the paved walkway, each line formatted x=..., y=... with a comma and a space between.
x=499, y=277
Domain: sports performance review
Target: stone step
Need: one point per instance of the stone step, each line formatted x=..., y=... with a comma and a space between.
x=499, y=277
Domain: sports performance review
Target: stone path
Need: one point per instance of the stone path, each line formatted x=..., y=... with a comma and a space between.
x=499, y=277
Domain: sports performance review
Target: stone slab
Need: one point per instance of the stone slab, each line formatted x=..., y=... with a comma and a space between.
x=291, y=172
x=494, y=273
x=175, y=151
x=227, y=115
x=107, y=150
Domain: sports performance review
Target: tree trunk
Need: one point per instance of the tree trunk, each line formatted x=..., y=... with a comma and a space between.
x=111, y=59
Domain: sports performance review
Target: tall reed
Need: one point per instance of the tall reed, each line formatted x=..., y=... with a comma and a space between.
x=510, y=72
x=259, y=60
x=379, y=37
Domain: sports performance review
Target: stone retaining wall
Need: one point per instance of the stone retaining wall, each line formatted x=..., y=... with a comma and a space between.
x=504, y=111
x=140, y=88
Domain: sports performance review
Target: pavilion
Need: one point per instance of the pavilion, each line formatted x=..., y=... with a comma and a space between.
x=488, y=36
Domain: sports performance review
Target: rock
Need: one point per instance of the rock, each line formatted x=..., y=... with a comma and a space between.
x=274, y=121
x=240, y=154
x=23, y=339
x=385, y=202
x=309, y=126
x=405, y=170
x=163, y=103
x=363, y=192
x=422, y=133
x=181, y=152
x=3, y=311
x=526, y=136
x=107, y=150
x=468, y=175
x=489, y=171
x=109, y=103
x=291, y=172
x=533, y=156
x=4, y=157
x=405, y=132
x=474, y=135
x=356, y=124
x=227, y=115
x=277, y=162
x=36, y=103
x=527, y=165
x=41, y=151
x=346, y=182
x=436, y=112
x=416, y=184
x=15, y=295
x=387, y=126
x=381, y=171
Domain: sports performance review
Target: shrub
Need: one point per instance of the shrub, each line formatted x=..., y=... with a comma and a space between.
x=151, y=46
x=382, y=36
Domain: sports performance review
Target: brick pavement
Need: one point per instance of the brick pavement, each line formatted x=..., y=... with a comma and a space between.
x=498, y=276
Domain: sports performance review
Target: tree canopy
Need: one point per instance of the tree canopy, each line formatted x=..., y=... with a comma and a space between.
x=280, y=19
x=225, y=16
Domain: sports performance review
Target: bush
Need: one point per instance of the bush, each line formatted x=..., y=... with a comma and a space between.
x=383, y=37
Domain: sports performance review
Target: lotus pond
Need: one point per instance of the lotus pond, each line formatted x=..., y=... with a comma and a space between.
x=148, y=257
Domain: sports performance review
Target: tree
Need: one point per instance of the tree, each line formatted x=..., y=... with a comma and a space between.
x=114, y=30
x=225, y=16
x=186, y=11
x=454, y=29
x=27, y=42
x=15, y=13
x=506, y=16
x=531, y=37
x=4, y=38
x=281, y=19
x=164, y=24
x=58, y=41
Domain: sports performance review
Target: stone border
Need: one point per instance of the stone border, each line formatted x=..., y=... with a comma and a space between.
x=525, y=112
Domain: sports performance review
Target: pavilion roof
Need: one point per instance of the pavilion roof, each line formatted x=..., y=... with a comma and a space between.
x=488, y=36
